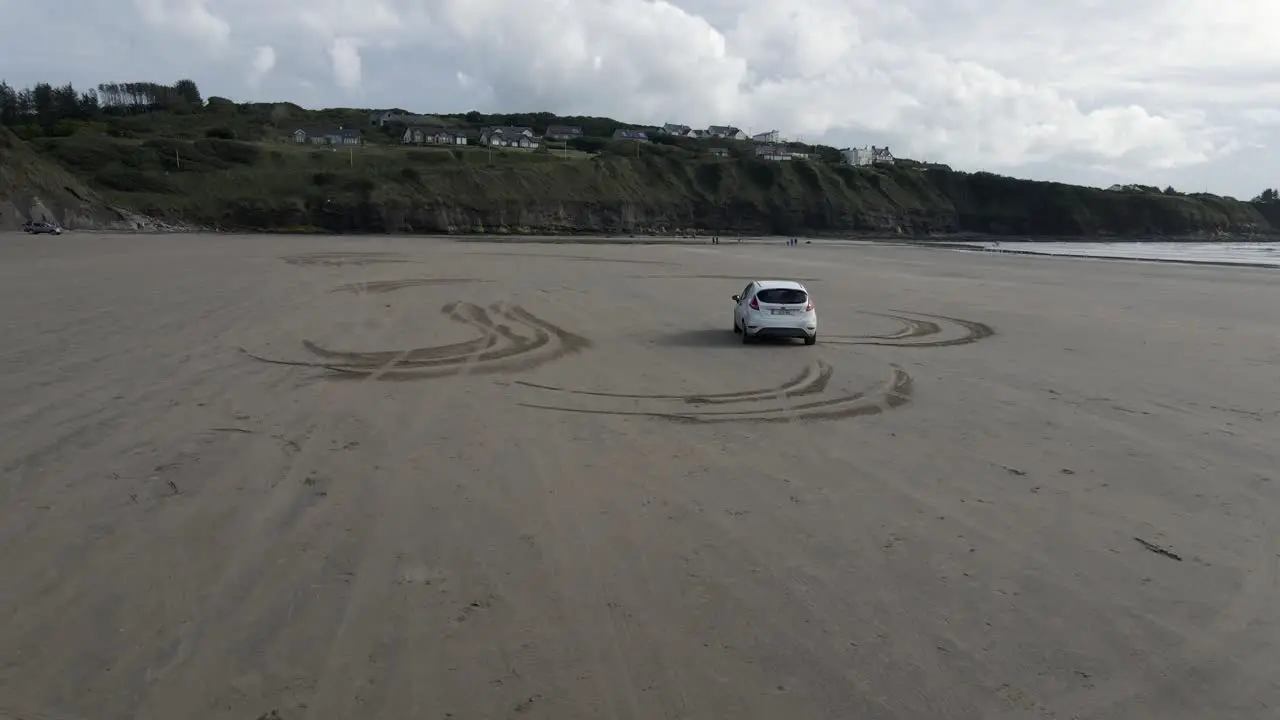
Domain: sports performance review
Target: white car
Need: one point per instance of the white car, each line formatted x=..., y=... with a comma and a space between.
x=775, y=309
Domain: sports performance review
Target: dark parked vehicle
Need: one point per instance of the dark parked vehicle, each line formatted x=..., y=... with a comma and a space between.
x=39, y=228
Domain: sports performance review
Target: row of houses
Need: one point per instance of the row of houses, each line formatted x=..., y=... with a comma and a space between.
x=524, y=137
x=769, y=145
x=714, y=132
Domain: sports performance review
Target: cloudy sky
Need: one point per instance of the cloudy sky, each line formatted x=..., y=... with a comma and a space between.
x=1182, y=92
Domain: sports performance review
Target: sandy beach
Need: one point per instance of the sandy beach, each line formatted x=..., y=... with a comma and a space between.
x=416, y=478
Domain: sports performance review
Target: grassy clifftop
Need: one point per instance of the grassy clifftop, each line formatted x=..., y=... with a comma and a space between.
x=232, y=167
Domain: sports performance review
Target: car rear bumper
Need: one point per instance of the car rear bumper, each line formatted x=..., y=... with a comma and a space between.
x=782, y=332
x=801, y=326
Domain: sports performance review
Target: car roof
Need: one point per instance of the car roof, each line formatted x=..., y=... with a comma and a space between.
x=779, y=284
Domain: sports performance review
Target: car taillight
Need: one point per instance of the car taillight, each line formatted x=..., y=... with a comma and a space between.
x=809, y=307
x=753, y=304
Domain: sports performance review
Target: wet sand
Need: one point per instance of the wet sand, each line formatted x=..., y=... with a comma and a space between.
x=415, y=478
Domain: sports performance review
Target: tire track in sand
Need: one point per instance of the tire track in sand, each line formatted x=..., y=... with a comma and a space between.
x=381, y=287
x=338, y=259
x=765, y=405
x=522, y=342
x=915, y=326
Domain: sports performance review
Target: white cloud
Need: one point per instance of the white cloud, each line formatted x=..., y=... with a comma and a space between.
x=264, y=61
x=189, y=18
x=1154, y=89
x=344, y=57
x=1262, y=116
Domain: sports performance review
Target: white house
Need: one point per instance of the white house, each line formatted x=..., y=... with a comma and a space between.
x=868, y=156
x=515, y=137
x=857, y=156
x=771, y=137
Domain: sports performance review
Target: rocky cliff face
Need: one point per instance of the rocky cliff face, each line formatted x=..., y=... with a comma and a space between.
x=35, y=189
x=1141, y=218
x=85, y=181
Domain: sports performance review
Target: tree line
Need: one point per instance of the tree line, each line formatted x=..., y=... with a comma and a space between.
x=45, y=105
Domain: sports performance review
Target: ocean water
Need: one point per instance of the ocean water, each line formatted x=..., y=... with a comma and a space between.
x=1265, y=254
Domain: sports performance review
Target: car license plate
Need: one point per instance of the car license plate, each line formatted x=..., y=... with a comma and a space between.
x=783, y=311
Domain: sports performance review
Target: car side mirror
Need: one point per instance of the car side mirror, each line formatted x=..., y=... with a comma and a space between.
x=737, y=298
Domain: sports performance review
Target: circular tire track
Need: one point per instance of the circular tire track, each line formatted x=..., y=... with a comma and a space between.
x=336, y=259
x=915, y=328
x=579, y=258
x=524, y=341
x=386, y=286
x=766, y=405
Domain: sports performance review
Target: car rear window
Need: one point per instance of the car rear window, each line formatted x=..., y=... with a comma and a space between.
x=782, y=296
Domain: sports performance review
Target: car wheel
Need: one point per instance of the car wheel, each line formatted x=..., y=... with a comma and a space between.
x=735, y=326
x=811, y=339
x=746, y=339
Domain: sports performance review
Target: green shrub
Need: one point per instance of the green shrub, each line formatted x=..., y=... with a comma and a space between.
x=117, y=129
x=131, y=180
x=430, y=157
x=762, y=174
x=588, y=144
x=709, y=176
x=28, y=131
x=78, y=154
x=231, y=151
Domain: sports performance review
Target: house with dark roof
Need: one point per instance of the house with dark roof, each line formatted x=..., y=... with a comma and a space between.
x=432, y=136
x=634, y=135
x=327, y=136
x=675, y=130
x=726, y=132
x=384, y=117
x=563, y=132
